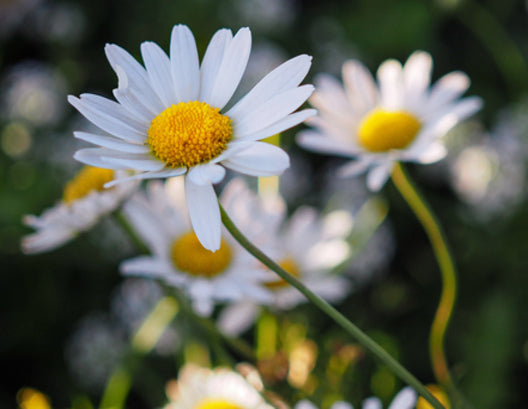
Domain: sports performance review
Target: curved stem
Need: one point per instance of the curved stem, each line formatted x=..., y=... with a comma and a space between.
x=339, y=318
x=447, y=268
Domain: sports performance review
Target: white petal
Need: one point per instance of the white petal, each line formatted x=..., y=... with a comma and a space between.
x=377, y=176
x=109, y=117
x=273, y=110
x=159, y=71
x=46, y=240
x=137, y=106
x=390, y=83
x=136, y=161
x=456, y=113
x=281, y=125
x=318, y=142
x=288, y=75
x=353, y=168
x=206, y=174
x=132, y=75
x=417, y=77
x=94, y=157
x=204, y=213
x=212, y=61
x=185, y=65
x=359, y=85
x=237, y=318
x=405, y=399
x=145, y=266
x=447, y=89
x=161, y=174
x=231, y=69
x=304, y=404
x=372, y=403
x=433, y=154
x=260, y=159
x=112, y=143
x=341, y=405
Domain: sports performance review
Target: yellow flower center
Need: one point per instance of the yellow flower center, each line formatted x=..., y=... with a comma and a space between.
x=439, y=393
x=381, y=131
x=291, y=267
x=188, y=255
x=88, y=179
x=188, y=134
x=217, y=404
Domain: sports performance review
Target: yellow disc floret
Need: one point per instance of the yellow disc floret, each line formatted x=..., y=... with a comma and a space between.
x=188, y=134
x=216, y=404
x=439, y=393
x=381, y=131
x=188, y=255
x=291, y=267
x=88, y=179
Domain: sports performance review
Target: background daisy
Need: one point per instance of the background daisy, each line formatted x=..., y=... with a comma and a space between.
x=399, y=118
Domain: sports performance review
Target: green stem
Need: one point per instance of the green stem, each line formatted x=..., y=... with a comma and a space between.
x=339, y=318
x=447, y=268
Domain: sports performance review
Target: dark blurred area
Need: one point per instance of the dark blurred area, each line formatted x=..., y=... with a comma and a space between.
x=51, y=303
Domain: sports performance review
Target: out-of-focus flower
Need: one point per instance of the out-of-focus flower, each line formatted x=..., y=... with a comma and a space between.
x=170, y=118
x=180, y=260
x=13, y=12
x=33, y=93
x=306, y=245
x=439, y=393
x=203, y=388
x=405, y=399
x=262, y=15
x=29, y=398
x=398, y=119
x=83, y=203
x=94, y=350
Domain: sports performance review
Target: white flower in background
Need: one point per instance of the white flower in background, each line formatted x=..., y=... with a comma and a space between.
x=399, y=119
x=171, y=118
x=178, y=258
x=85, y=201
x=306, y=245
x=203, y=388
x=405, y=399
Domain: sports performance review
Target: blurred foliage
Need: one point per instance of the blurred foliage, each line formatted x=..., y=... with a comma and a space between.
x=44, y=297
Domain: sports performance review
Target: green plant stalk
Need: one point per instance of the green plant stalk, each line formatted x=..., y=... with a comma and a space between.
x=447, y=268
x=339, y=318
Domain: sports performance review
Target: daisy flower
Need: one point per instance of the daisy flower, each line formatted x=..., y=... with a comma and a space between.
x=405, y=399
x=221, y=388
x=179, y=259
x=306, y=245
x=84, y=202
x=171, y=118
x=401, y=118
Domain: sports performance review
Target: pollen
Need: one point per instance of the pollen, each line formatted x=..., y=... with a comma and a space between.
x=88, y=179
x=188, y=255
x=188, y=134
x=291, y=267
x=382, y=131
x=216, y=404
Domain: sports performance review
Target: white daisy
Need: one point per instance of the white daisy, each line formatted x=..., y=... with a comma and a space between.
x=405, y=399
x=307, y=246
x=399, y=119
x=84, y=202
x=221, y=388
x=178, y=258
x=171, y=118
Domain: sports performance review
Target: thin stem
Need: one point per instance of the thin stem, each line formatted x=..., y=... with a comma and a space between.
x=447, y=268
x=339, y=318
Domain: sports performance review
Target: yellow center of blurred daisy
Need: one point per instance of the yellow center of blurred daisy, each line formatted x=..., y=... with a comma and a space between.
x=87, y=180
x=189, y=134
x=381, y=131
x=188, y=255
x=291, y=267
x=216, y=404
x=439, y=393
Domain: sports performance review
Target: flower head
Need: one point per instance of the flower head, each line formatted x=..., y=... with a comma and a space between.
x=401, y=118
x=221, y=388
x=171, y=119
x=179, y=259
x=84, y=202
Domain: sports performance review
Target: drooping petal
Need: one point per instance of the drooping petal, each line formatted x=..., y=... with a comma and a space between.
x=204, y=213
x=185, y=64
x=377, y=176
x=260, y=159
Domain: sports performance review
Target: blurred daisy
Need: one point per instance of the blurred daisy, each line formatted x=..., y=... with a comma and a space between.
x=203, y=388
x=308, y=246
x=405, y=399
x=178, y=258
x=171, y=118
x=399, y=119
x=84, y=202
